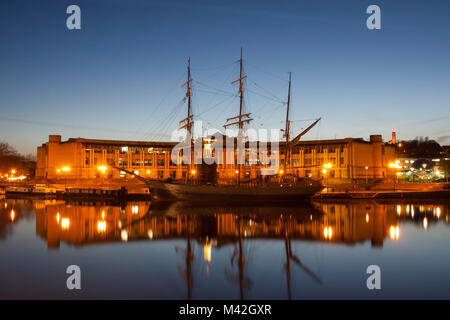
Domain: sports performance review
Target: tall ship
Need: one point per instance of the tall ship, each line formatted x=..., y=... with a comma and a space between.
x=280, y=185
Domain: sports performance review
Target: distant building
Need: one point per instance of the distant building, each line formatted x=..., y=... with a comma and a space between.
x=338, y=160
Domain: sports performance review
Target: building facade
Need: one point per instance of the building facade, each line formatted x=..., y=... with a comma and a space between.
x=335, y=160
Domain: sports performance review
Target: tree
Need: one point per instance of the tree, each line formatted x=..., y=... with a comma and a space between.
x=11, y=159
x=419, y=148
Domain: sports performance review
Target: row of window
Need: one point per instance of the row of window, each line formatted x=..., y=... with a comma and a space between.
x=160, y=151
x=126, y=150
x=134, y=163
x=320, y=149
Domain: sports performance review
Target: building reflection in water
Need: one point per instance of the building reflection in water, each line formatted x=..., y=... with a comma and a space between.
x=344, y=223
x=331, y=223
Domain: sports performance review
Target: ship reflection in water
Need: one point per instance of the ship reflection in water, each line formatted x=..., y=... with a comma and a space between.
x=181, y=251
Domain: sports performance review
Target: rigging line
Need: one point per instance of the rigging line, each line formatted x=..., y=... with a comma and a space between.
x=223, y=83
x=169, y=116
x=218, y=67
x=267, y=91
x=210, y=87
x=216, y=105
x=268, y=73
x=220, y=113
x=169, y=124
x=221, y=94
x=216, y=73
x=162, y=123
x=265, y=106
x=160, y=103
x=301, y=120
x=265, y=96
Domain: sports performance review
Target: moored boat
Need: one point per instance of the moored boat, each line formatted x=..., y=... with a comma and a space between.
x=31, y=191
x=201, y=181
x=249, y=193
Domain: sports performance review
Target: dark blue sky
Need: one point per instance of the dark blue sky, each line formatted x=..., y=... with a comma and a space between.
x=120, y=76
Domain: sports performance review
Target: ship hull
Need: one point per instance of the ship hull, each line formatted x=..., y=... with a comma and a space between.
x=175, y=191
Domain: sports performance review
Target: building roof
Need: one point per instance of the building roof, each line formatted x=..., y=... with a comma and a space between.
x=123, y=142
x=170, y=144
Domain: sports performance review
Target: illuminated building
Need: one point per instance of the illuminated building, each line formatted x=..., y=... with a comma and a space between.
x=78, y=158
x=337, y=223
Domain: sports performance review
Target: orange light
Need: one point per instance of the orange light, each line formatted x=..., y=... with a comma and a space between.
x=395, y=165
x=207, y=252
x=281, y=171
x=193, y=171
x=394, y=232
x=13, y=215
x=101, y=226
x=65, y=223
x=327, y=232
x=13, y=171
x=66, y=169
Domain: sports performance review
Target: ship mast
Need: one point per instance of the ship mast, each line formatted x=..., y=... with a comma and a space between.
x=189, y=119
x=241, y=95
x=287, y=129
x=242, y=118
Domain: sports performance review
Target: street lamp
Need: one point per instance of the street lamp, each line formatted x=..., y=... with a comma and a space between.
x=326, y=166
x=367, y=178
x=395, y=165
x=324, y=172
x=102, y=169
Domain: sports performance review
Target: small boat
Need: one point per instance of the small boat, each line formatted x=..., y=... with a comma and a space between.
x=38, y=190
x=102, y=194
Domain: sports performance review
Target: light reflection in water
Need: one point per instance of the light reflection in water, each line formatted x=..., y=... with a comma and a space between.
x=324, y=221
x=328, y=232
x=394, y=232
x=233, y=231
x=101, y=226
x=65, y=223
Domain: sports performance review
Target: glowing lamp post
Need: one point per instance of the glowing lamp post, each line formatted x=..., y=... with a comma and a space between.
x=102, y=170
x=326, y=166
x=367, y=178
x=395, y=165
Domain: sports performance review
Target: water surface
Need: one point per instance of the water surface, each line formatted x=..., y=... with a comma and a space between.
x=181, y=251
